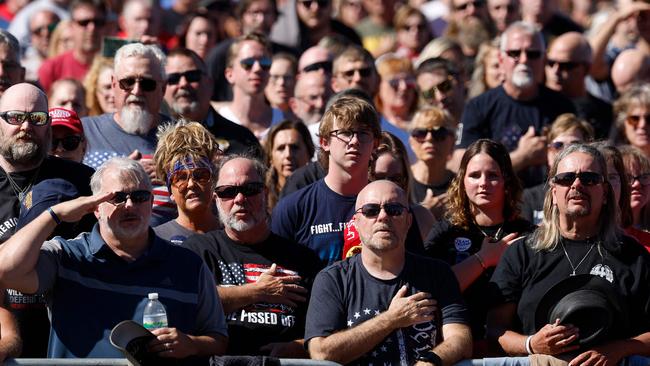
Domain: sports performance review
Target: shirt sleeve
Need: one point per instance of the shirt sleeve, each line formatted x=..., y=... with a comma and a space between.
x=471, y=125
x=47, y=266
x=283, y=218
x=325, y=314
x=210, y=318
x=449, y=297
x=507, y=280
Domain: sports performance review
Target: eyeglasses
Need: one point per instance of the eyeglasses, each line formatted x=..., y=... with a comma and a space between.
x=40, y=30
x=191, y=76
x=146, y=84
x=349, y=74
x=371, y=210
x=634, y=120
x=248, y=63
x=135, y=196
x=586, y=178
x=247, y=189
x=19, y=117
x=364, y=136
x=259, y=13
x=273, y=78
x=438, y=134
x=563, y=66
x=98, y=22
x=326, y=66
x=409, y=83
x=309, y=3
x=181, y=178
x=69, y=143
x=443, y=88
x=559, y=145
x=644, y=179
x=530, y=54
x=475, y=3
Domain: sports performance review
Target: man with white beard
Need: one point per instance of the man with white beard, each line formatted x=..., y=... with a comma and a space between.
x=517, y=112
x=263, y=280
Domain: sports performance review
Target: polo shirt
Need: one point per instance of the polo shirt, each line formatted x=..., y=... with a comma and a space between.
x=89, y=289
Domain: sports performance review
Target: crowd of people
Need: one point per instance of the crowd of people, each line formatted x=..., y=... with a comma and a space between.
x=443, y=182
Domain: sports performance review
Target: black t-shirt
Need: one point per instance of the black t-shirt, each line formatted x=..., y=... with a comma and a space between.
x=454, y=244
x=239, y=138
x=597, y=112
x=30, y=310
x=558, y=25
x=497, y=116
x=523, y=276
x=234, y=264
x=345, y=295
x=419, y=190
x=532, y=203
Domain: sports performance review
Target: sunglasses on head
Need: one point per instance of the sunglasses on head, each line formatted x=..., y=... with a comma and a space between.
x=586, y=178
x=371, y=210
x=364, y=72
x=191, y=76
x=309, y=3
x=409, y=83
x=559, y=145
x=19, y=117
x=98, y=22
x=181, y=178
x=635, y=119
x=563, y=66
x=135, y=196
x=438, y=134
x=146, y=84
x=530, y=54
x=69, y=143
x=247, y=189
x=475, y=3
x=644, y=179
x=326, y=66
x=264, y=62
x=444, y=87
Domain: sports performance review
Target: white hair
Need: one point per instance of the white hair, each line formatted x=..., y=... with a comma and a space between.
x=525, y=28
x=141, y=50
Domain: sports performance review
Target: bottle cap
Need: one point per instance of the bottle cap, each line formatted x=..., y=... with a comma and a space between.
x=153, y=296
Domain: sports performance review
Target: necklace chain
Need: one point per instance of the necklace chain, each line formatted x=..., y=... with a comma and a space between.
x=575, y=268
x=20, y=192
x=496, y=236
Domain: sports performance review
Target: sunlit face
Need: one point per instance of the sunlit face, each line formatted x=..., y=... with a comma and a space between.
x=201, y=36
x=397, y=91
x=389, y=167
x=314, y=14
x=60, y=133
x=484, y=183
x=525, y=68
x=614, y=179
x=88, y=25
x=348, y=155
x=637, y=126
x=241, y=213
x=355, y=74
x=414, y=34
x=259, y=17
x=282, y=81
x=640, y=194
x=104, y=92
x=251, y=81
x=11, y=72
x=190, y=194
x=493, y=74
x=289, y=152
x=560, y=142
x=578, y=200
x=432, y=148
x=68, y=95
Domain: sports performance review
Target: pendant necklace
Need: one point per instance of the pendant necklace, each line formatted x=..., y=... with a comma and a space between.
x=575, y=268
x=21, y=192
x=496, y=236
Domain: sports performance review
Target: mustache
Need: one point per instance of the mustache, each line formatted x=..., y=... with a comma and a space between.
x=186, y=93
x=523, y=68
x=135, y=99
x=578, y=194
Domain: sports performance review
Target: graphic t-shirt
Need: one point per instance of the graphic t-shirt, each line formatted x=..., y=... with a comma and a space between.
x=345, y=295
x=233, y=264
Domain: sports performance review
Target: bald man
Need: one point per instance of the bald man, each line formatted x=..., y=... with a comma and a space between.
x=630, y=66
x=568, y=61
x=316, y=58
x=385, y=305
x=25, y=140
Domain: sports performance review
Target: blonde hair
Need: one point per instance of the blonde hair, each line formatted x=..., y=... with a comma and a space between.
x=568, y=122
x=90, y=84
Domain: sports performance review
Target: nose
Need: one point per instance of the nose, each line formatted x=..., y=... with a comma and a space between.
x=137, y=88
x=239, y=198
x=642, y=122
x=357, y=76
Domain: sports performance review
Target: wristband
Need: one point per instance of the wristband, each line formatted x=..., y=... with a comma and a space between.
x=54, y=216
x=480, y=261
x=529, y=348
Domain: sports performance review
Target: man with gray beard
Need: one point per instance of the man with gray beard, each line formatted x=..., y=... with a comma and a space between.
x=263, y=280
x=517, y=112
x=188, y=95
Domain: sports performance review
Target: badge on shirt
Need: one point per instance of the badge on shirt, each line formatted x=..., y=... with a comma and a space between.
x=462, y=244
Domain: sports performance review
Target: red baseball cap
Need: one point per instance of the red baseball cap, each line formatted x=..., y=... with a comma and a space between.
x=66, y=118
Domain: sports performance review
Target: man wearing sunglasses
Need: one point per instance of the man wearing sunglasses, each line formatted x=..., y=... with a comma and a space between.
x=263, y=280
x=580, y=235
x=12, y=72
x=88, y=24
x=386, y=305
x=439, y=85
x=112, y=269
x=568, y=61
x=516, y=113
x=188, y=95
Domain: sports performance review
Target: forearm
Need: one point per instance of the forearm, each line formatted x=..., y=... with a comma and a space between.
x=513, y=343
x=599, y=67
x=236, y=297
x=350, y=344
x=208, y=345
x=639, y=345
x=455, y=347
x=518, y=160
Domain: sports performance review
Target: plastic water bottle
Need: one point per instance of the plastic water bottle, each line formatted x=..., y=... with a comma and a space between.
x=155, y=315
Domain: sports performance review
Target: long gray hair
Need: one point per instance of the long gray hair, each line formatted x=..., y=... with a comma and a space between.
x=548, y=235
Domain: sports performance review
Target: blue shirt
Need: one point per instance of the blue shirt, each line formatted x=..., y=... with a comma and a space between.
x=90, y=289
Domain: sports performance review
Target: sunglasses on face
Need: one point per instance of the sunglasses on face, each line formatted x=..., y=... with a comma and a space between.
x=586, y=178
x=326, y=66
x=530, y=54
x=372, y=210
x=309, y=3
x=135, y=196
x=438, y=134
x=40, y=30
x=364, y=73
x=409, y=83
x=98, y=22
x=476, y=4
x=443, y=88
x=559, y=145
x=644, y=179
x=146, y=84
x=19, y=117
x=191, y=76
x=248, y=63
x=563, y=66
x=635, y=119
x=181, y=178
x=413, y=27
x=364, y=136
x=69, y=143
x=247, y=189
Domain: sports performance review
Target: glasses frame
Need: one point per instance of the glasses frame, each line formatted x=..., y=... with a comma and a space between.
x=249, y=62
x=146, y=84
x=364, y=136
x=250, y=189
x=69, y=143
x=372, y=210
x=198, y=176
x=191, y=76
x=588, y=179
x=25, y=115
x=137, y=197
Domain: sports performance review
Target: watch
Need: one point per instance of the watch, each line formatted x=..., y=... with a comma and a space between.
x=430, y=357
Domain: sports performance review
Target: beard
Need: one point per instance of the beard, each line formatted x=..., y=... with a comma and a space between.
x=230, y=220
x=522, y=76
x=579, y=211
x=24, y=149
x=185, y=108
x=135, y=120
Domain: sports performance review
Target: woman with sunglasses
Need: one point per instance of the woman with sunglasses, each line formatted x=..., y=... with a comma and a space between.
x=637, y=171
x=432, y=140
x=397, y=98
x=482, y=219
x=184, y=160
x=412, y=32
x=68, y=140
x=632, y=111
